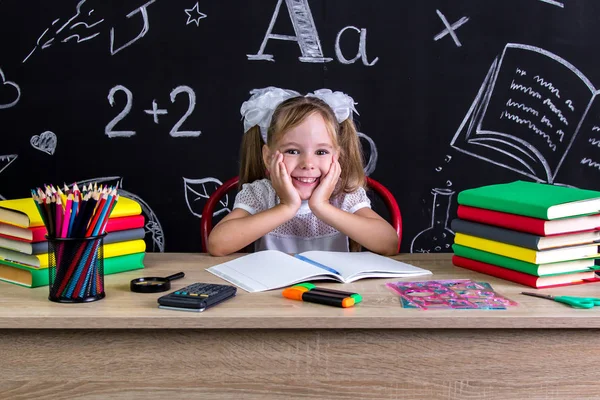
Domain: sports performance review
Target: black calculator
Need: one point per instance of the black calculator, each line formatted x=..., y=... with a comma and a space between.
x=196, y=297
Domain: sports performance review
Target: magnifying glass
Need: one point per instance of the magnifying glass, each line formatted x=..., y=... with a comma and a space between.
x=153, y=284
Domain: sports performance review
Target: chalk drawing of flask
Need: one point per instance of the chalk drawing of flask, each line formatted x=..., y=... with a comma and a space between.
x=438, y=237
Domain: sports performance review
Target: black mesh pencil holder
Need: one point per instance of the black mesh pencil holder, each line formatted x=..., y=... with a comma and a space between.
x=76, y=268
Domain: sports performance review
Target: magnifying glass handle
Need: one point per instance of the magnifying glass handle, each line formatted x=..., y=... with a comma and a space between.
x=175, y=276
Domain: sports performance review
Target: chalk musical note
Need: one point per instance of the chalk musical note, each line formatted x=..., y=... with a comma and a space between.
x=144, y=12
x=194, y=15
x=5, y=86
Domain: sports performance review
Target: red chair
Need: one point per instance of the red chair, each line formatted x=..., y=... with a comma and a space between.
x=207, y=212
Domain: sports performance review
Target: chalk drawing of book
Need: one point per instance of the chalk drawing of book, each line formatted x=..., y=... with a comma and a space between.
x=527, y=113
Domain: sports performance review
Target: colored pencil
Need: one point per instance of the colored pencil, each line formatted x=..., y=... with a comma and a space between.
x=97, y=212
x=74, y=211
x=66, y=220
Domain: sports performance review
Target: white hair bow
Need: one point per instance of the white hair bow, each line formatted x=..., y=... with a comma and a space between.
x=341, y=104
x=258, y=110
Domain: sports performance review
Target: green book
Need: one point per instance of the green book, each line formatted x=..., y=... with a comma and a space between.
x=549, y=269
x=537, y=200
x=34, y=277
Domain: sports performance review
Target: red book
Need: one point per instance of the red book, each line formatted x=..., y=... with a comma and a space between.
x=525, y=279
x=15, y=238
x=522, y=223
x=37, y=234
x=123, y=223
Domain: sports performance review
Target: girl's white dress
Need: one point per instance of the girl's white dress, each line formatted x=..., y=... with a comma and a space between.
x=304, y=231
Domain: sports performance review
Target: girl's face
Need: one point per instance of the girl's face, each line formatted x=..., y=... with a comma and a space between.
x=307, y=153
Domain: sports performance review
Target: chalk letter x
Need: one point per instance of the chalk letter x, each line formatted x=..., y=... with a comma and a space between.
x=450, y=28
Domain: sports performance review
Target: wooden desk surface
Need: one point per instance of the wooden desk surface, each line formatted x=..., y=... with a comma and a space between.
x=121, y=309
x=271, y=361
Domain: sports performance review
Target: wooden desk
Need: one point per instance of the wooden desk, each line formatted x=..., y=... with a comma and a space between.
x=262, y=346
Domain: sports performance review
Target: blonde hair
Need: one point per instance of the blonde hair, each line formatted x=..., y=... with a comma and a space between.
x=291, y=113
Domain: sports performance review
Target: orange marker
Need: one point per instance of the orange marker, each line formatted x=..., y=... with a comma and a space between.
x=303, y=294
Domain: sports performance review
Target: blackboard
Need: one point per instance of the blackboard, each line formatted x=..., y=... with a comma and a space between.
x=452, y=94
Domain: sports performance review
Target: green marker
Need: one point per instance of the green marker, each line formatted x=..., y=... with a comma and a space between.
x=314, y=289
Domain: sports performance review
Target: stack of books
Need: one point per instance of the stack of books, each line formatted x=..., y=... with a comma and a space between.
x=24, y=246
x=535, y=234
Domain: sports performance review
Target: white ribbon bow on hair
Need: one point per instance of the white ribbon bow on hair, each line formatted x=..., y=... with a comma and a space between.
x=258, y=110
x=341, y=104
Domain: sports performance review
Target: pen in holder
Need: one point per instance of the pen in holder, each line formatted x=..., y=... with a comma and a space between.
x=76, y=269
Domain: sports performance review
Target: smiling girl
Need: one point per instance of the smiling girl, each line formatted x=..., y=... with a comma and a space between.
x=302, y=184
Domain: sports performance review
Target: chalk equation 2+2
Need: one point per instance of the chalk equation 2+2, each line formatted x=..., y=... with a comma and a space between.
x=155, y=112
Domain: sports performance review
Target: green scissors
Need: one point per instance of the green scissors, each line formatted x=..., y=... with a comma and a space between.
x=573, y=301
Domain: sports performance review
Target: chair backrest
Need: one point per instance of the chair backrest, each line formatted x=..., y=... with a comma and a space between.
x=207, y=212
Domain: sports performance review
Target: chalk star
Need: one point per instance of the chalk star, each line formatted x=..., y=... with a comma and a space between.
x=156, y=111
x=192, y=18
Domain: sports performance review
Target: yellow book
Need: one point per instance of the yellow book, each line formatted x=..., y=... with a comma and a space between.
x=25, y=214
x=20, y=212
x=32, y=277
x=126, y=207
x=123, y=248
x=41, y=260
x=35, y=261
x=528, y=255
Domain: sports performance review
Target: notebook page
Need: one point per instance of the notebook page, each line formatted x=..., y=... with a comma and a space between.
x=266, y=270
x=364, y=264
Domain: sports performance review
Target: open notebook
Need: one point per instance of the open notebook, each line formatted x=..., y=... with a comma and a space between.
x=272, y=269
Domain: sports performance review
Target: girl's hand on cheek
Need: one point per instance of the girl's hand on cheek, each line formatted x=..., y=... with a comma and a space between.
x=282, y=183
x=322, y=193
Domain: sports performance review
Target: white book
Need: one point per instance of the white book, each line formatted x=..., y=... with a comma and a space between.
x=273, y=269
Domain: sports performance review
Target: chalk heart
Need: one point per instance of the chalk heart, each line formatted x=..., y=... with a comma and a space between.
x=45, y=142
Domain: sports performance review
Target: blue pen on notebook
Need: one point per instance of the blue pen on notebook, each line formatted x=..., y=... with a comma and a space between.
x=308, y=260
